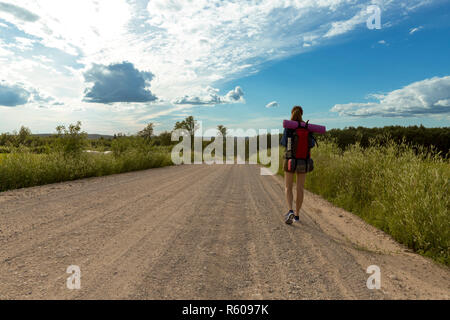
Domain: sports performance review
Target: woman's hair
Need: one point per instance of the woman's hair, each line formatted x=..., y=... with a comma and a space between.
x=297, y=113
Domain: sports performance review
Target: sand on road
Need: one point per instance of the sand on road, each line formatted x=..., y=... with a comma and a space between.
x=197, y=232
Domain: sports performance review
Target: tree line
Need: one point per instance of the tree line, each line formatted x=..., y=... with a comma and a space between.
x=432, y=139
x=436, y=140
x=73, y=138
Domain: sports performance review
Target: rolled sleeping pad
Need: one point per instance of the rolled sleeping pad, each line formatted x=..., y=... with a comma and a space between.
x=289, y=124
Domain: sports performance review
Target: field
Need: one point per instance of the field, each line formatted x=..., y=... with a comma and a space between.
x=27, y=160
x=393, y=187
x=19, y=170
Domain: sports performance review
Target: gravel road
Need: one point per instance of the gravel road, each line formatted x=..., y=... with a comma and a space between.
x=197, y=232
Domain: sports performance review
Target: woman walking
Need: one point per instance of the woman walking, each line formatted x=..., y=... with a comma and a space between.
x=298, y=143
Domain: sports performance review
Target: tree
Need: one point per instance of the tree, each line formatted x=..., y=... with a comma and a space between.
x=24, y=135
x=71, y=140
x=188, y=124
x=165, y=138
x=147, y=132
x=222, y=129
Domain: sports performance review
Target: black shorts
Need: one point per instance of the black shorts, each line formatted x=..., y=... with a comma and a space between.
x=299, y=166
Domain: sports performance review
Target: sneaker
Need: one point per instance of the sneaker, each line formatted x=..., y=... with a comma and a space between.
x=296, y=219
x=289, y=217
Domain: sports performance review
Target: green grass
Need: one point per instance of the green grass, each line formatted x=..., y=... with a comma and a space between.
x=391, y=187
x=21, y=169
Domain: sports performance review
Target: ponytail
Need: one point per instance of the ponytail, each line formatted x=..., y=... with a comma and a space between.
x=297, y=114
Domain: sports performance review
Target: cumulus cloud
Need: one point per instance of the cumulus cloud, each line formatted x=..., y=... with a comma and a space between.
x=16, y=94
x=189, y=45
x=236, y=95
x=120, y=82
x=12, y=95
x=39, y=97
x=211, y=96
x=18, y=12
x=272, y=104
x=426, y=97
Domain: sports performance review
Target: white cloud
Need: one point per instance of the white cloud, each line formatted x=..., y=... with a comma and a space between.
x=188, y=45
x=17, y=12
x=24, y=43
x=414, y=30
x=344, y=26
x=17, y=94
x=272, y=104
x=426, y=97
x=73, y=25
x=210, y=96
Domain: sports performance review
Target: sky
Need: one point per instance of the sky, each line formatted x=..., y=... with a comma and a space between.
x=118, y=65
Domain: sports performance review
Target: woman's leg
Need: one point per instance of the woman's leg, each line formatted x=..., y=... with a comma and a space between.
x=301, y=177
x=289, y=179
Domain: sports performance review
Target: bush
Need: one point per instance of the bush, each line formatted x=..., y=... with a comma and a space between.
x=397, y=188
x=23, y=169
x=4, y=149
x=71, y=141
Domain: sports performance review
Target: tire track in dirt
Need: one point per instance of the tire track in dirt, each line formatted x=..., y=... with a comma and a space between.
x=145, y=240
x=197, y=232
x=82, y=216
x=213, y=262
x=75, y=238
x=59, y=205
x=321, y=248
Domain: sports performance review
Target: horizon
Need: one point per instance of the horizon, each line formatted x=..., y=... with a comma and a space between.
x=238, y=65
x=212, y=136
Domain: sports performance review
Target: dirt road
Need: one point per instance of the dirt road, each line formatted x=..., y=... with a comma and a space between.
x=197, y=232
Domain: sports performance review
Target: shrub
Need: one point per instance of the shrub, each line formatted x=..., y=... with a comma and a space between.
x=397, y=188
x=71, y=141
x=22, y=169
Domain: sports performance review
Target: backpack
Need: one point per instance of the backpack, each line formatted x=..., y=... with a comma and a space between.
x=298, y=147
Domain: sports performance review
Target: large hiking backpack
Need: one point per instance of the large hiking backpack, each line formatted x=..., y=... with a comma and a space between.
x=298, y=148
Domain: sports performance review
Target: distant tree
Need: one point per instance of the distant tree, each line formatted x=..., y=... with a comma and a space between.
x=147, y=132
x=4, y=138
x=188, y=124
x=24, y=135
x=165, y=138
x=71, y=140
x=433, y=139
x=222, y=129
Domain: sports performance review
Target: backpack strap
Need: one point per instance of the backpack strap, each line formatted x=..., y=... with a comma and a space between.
x=290, y=133
x=308, y=156
x=314, y=138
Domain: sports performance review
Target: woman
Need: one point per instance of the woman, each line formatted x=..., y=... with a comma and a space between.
x=302, y=166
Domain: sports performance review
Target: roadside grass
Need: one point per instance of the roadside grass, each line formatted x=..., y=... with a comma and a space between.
x=397, y=188
x=22, y=169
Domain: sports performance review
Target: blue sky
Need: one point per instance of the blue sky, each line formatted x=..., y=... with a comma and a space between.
x=116, y=65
